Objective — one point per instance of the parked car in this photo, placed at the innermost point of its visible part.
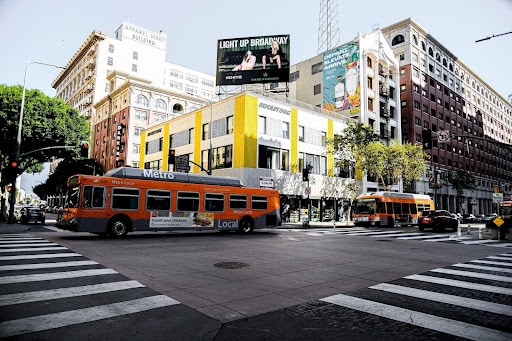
(437, 220)
(468, 218)
(480, 218)
(489, 217)
(31, 214)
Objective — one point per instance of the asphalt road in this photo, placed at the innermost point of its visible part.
(289, 283)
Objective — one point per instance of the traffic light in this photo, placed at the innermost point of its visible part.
(12, 171)
(426, 137)
(172, 156)
(84, 149)
(305, 174)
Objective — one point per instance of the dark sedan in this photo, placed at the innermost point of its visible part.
(31, 214)
(437, 220)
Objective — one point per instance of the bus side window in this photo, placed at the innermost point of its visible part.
(237, 201)
(213, 202)
(87, 196)
(125, 198)
(381, 207)
(158, 200)
(259, 202)
(188, 201)
(98, 197)
(389, 206)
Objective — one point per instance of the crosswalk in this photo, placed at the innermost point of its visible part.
(463, 238)
(471, 300)
(68, 288)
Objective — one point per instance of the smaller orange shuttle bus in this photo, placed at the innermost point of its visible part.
(390, 208)
(131, 199)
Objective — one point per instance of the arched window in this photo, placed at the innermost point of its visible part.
(445, 63)
(177, 108)
(142, 101)
(369, 62)
(397, 40)
(450, 67)
(430, 52)
(438, 57)
(414, 40)
(423, 46)
(161, 105)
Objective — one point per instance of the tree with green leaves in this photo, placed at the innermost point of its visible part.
(57, 181)
(394, 162)
(461, 180)
(47, 122)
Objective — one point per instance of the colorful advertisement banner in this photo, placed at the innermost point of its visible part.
(341, 83)
(264, 59)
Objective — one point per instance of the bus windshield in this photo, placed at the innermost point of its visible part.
(72, 197)
(366, 206)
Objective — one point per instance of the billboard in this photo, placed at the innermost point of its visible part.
(341, 83)
(264, 59)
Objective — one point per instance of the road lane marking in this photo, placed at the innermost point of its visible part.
(461, 301)
(480, 267)
(41, 256)
(35, 246)
(54, 294)
(73, 317)
(436, 323)
(54, 248)
(461, 284)
(473, 275)
(46, 265)
(55, 275)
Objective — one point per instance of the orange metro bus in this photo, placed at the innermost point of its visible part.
(390, 208)
(132, 199)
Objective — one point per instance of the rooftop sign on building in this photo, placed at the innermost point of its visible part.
(141, 35)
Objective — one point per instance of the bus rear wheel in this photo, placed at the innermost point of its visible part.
(246, 226)
(118, 228)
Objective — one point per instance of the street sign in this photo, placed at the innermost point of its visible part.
(443, 136)
(497, 198)
(266, 182)
(181, 164)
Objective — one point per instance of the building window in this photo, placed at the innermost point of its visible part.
(137, 131)
(397, 40)
(317, 89)
(111, 48)
(136, 148)
(230, 124)
(134, 67)
(262, 124)
(286, 130)
(142, 101)
(161, 105)
(294, 76)
(206, 129)
(301, 133)
(110, 61)
(135, 55)
(141, 115)
(316, 68)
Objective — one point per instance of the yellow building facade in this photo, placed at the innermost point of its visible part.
(264, 140)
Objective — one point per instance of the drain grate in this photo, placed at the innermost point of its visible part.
(231, 265)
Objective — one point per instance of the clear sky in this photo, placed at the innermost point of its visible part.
(51, 31)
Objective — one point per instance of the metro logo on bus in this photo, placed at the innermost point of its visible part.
(149, 173)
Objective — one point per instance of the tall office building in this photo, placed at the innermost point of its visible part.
(428, 88)
(136, 55)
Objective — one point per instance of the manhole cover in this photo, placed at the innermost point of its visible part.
(231, 265)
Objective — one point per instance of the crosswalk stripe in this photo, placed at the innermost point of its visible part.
(41, 256)
(19, 238)
(461, 284)
(398, 234)
(54, 294)
(55, 275)
(72, 317)
(445, 325)
(46, 265)
(371, 233)
(424, 236)
(481, 261)
(24, 240)
(473, 274)
(45, 243)
(480, 267)
(480, 241)
(495, 308)
(500, 257)
(29, 249)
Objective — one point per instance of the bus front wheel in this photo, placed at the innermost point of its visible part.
(246, 225)
(118, 228)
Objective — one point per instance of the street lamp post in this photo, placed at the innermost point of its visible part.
(12, 198)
